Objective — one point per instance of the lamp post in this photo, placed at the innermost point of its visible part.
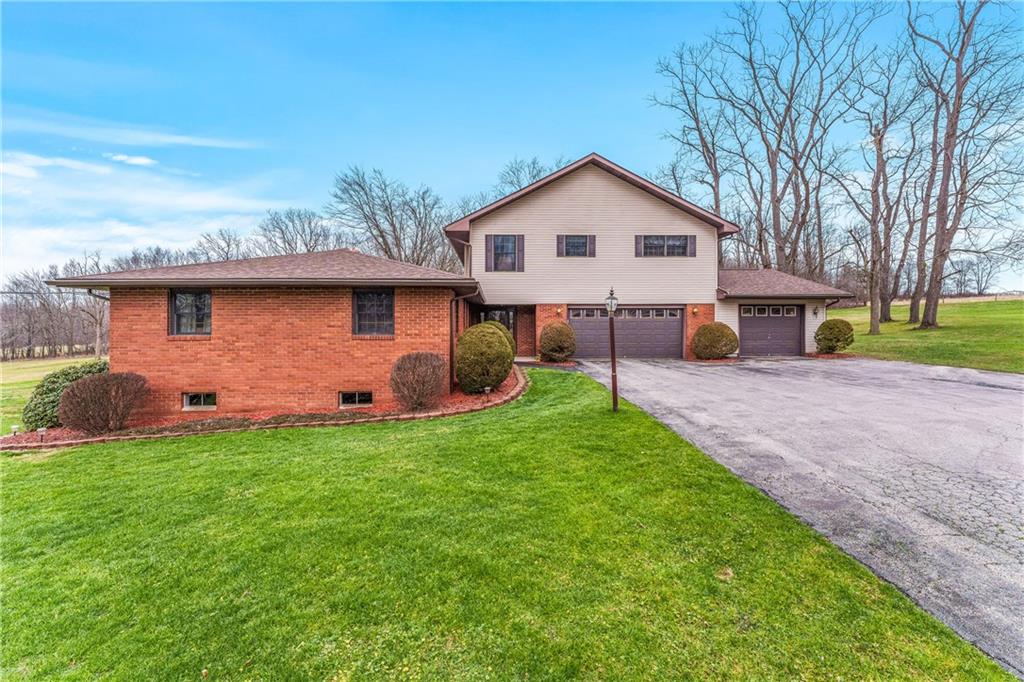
(610, 304)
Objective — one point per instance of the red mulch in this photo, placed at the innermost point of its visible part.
(454, 403)
(717, 360)
(831, 356)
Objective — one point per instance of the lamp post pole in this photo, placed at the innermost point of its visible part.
(611, 303)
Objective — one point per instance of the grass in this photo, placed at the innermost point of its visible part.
(986, 335)
(17, 379)
(549, 538)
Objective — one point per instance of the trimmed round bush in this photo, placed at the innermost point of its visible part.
(504, 330)
(557, 342)
(715, 340)
(417, 380)
(833, 336)
(42, 406)
(101, 403)
(483, 358)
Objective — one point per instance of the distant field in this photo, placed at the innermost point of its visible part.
(987, 335)
(18, 378)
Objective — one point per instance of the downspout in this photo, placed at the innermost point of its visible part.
(452, 315)
(95, 295)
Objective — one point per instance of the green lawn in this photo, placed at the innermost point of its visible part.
(548, 538)
(17, 379)
(987, 335)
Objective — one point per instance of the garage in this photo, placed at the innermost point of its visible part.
(771, 329)
(640, 332)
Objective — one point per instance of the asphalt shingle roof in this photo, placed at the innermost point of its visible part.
(772, 283)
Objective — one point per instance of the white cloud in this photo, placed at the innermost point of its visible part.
(24, 165)
(131, 160)
(109, 132)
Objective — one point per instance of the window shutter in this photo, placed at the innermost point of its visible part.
(591, 245)
(639, 245)
(560, 245)
(489, 253)
(691, 245)
(519, 252)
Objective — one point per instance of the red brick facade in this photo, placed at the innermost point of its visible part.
(526, 331)
(705, 313)
(547, 312)
(284, 349)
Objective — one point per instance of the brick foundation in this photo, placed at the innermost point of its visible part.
(271, 349)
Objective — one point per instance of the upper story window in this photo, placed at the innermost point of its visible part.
(661, 245)
(504, 252)
(576, 245)
(190, 311)
(373, 312)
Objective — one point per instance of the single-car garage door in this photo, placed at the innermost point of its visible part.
(639, 332)
(767, 329)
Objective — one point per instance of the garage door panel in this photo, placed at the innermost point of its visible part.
(770, 330)
(650, 337)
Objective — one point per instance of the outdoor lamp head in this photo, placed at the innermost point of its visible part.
(611, 303)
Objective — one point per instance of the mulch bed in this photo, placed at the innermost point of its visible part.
(456, 403)
(717, 361)
(831, 356)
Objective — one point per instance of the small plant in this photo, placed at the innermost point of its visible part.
(505, 332)
(834, 336)
(101, 403)
(557, 342)
(714, 340)
(417, 380)
(41, 410)
(483, 358)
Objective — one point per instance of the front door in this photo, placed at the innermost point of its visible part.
(506, 315)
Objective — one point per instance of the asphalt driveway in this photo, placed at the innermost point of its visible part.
(917, 471)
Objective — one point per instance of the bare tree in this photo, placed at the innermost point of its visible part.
(981, 272)
(294, 230)
(151, 257)
(519, 173)
(224, 244)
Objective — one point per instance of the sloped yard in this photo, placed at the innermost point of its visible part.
(547, 539)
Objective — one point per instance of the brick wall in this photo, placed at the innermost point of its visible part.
(546, 312)
(526, 332)
(272, 349)
(705, 314)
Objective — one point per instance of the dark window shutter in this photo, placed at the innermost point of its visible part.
(560, 245)
(489, 255)
(639, 245)
(591, 245)
(520, 248)
(691, 245)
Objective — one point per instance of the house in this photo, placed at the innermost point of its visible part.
(553, 250)
(320, 331)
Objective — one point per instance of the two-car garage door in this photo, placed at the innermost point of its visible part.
(641, 332)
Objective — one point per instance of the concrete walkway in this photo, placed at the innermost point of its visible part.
(915, 470)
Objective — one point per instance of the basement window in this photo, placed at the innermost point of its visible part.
(198, 402)
(355, 399)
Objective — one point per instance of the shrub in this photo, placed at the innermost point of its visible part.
(417, 380)
(557, 342)
(101, 403)
(483, 358)
(42, 406)
(505, 332)
(833, 336)
(714, 340)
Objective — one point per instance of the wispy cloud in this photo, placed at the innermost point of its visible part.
(131, 160)
(109, 132)
(25, 165)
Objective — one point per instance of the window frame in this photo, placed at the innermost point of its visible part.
(172, 312)
(746, 311)
(203, 405)
(358, 395)
(576, 239)
(786, 311)
(515, 253)
(772, 309)
(667, 249)
(355, 312)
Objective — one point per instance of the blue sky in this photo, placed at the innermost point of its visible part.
(129, 125)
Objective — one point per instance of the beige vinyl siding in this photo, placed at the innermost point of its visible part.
(592, 201)
(729, 313)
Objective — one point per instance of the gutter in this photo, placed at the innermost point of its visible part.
(452, 315)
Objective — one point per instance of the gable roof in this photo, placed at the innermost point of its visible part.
(772, 284)
(724, 227)
(340, 267)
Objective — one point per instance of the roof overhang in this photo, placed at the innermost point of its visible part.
(461, 285)
(724, 295)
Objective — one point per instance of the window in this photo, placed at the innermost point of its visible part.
(505, 253)
(790, 311)
(198, 402)
(575, 245)
(746, 311)
(761, 310)
(355, 399)
(190, 311)
(776, 311)
(672, 312)
(373, 312)
(656, 245)
(575, 313)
